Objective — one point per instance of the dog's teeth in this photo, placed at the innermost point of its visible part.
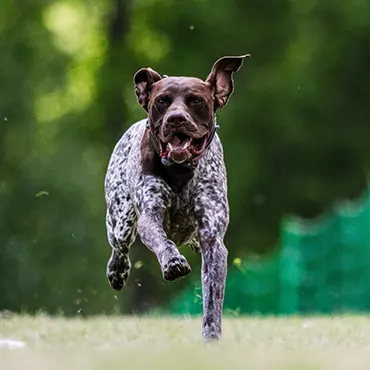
(179, 147)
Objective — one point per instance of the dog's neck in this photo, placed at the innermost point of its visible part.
(176, 176)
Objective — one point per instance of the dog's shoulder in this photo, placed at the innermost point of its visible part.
(132, 134)
(125, 151)
(123, 147)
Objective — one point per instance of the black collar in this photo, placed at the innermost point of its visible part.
(190, 164)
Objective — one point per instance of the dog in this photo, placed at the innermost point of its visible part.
(166, 181)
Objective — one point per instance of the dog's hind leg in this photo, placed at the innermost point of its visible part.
(122, 230)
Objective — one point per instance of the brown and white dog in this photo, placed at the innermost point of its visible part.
(166, 180)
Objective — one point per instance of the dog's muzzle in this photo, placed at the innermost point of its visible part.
(182, 149)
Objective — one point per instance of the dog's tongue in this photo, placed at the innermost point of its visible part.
(176, 141)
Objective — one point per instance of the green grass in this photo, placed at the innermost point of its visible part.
(170, 343)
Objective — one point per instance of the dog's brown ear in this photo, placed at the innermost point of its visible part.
(144, 79)
(220, 80)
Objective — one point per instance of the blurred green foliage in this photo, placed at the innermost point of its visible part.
(295, 132)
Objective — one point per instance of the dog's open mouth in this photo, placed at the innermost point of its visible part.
(181, 147)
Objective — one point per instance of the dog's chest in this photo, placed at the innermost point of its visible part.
(180, 224)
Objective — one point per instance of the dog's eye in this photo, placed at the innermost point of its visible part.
(162, 101)
(196, 101)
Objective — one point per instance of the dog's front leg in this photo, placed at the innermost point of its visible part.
(212, 215)
(214, 270)
(153, 198)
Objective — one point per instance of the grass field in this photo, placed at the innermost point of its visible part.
(170, 343)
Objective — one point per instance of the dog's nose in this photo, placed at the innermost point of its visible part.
(176, 119)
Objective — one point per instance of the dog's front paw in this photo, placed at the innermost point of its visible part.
(118, 271)
(175, 268)
(211, 334)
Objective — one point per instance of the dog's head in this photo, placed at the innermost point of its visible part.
(181, 109)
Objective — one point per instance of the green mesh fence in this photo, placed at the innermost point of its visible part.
(321, 267)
